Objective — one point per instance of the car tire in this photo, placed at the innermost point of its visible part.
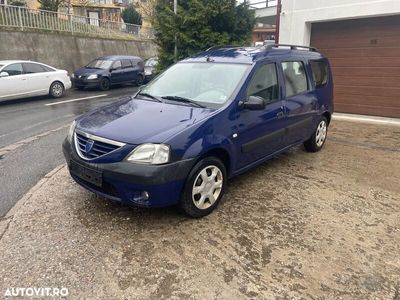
(105, 84)
(204, 187)
(318, 138)
(57, 89)
(139, 80)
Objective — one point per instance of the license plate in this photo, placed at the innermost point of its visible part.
(92, 176)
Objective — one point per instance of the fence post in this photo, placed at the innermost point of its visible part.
(20, 18)
(71, 24)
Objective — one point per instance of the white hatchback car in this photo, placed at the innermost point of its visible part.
(20, 79)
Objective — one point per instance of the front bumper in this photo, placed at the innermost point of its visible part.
(82, 82)
(125, 181)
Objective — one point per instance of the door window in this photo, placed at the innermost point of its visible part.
(320, 72)
(30, 68)
(126, 63)
(264, 84)
(117, 65)
(14, 69)
(295, 77)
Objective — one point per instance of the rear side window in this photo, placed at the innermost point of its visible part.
(126, 63)
(30, 68)
(264, 83)
(295, 77)
(14, 69)
(320, 72)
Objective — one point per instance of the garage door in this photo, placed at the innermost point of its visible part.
(365, 58)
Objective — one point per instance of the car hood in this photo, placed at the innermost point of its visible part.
(136, 121)
(88, 71)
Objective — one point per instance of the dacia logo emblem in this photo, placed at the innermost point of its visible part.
(89, 146)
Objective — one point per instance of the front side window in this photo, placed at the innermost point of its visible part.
(100, 64)
(209, 84)
(320, 72)
(117, 65)
(264, 84)
(14, 69)
(295, 77)
(30, 68)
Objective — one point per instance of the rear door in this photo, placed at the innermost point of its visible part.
(39, 80)
(260, 132)
(128, 70)
(300, 101)
(15, 85)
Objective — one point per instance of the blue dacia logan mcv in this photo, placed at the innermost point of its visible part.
(205, 119)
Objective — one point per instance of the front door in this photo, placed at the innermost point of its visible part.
(117, 73)
(260, 132)
(15, 85)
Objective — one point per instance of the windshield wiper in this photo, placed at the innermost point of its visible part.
(184, 100)
(150, 96)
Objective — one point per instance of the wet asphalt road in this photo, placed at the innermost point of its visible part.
(21, 120)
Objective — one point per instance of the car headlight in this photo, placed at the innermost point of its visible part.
(93, 76)
(71, 131)
(72, 75)
(155, 154)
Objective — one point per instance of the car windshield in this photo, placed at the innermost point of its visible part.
(100, 64)
(1, 66)
(208, 84)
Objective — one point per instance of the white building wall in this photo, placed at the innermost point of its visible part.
(298, 15)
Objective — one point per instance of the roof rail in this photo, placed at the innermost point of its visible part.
(292, 47)
(221, 47)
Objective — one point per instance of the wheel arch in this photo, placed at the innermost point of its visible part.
(221, 154)
(328, 116)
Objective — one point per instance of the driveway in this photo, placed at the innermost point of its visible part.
(301, 226)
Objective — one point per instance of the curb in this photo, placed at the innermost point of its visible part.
(366, 119)
(8, 218)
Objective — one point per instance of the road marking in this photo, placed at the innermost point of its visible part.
(5, 150)
(77, 99)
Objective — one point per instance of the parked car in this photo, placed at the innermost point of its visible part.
(150, 68)
(104, 72)
(20, 79)
(205, 119)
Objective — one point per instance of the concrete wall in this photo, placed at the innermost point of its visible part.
(297, 16)
(66, 51)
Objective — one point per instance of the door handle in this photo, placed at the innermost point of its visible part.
(280, 115)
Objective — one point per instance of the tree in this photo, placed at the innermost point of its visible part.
(130, 15)
(200, 24)
(51, 5)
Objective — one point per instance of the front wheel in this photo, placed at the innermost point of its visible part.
(204, 188)
(317, 140)
(105, 84)
(56, 89)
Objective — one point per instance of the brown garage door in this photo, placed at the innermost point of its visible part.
(365, 58)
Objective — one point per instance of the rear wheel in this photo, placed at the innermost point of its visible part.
(56, 89)
(105, 84)
(139, 80)
(317, 140)
(204, 188)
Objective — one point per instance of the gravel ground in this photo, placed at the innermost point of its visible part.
(301, 226)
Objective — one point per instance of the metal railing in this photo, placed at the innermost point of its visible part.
(26, 18)
(263, 4)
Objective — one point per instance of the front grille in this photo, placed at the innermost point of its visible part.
(90, 147)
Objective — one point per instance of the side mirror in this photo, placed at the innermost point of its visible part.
(4, 74)
(253, 103)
